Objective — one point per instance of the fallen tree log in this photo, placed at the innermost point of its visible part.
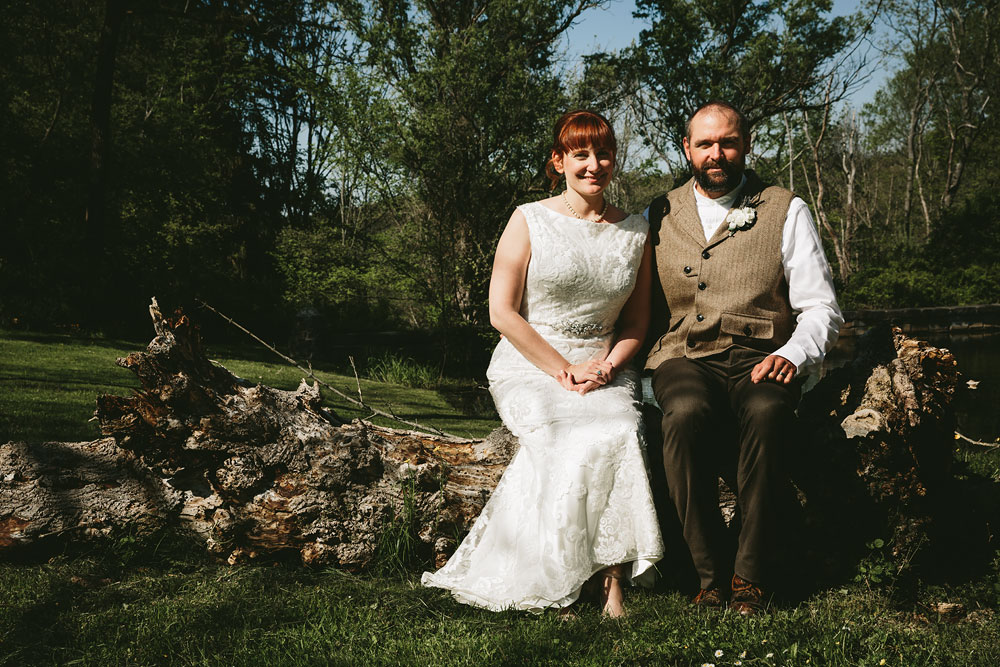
(254, 472)
(251, 471)
(874, 466)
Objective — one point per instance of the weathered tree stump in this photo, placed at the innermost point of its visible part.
(254, 472)
(875, 458)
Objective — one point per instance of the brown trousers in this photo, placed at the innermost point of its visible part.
(703, 401)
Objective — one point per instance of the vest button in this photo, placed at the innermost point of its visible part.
(702, 285)
(700, 317)
(687, 269)
(747, 330)
(705, 254)
(691, 343)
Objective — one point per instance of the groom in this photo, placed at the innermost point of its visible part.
(745, 304)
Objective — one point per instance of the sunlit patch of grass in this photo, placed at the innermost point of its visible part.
(980, 459)
(49, 384)
(393, 368)
(206, 614)
(425, 406)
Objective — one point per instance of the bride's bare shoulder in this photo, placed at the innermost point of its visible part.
(552, 203)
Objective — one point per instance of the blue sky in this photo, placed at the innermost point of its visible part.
(613, 28)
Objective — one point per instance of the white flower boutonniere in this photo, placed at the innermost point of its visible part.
(741, 218)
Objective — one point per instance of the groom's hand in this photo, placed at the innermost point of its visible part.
(774, 368)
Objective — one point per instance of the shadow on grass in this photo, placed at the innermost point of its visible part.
(32, 629)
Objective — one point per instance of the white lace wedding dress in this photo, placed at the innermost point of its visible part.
(576, 496)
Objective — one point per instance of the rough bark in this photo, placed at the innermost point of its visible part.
(251, 471)
(254, 472)
(875, 459)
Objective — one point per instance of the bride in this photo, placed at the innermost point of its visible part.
(570, 294)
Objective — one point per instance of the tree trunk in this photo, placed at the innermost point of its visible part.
(253, 472)
(849, 166)
(248, 470)
(839, 241)
(100, 124)
(971, 43)
(876, 454)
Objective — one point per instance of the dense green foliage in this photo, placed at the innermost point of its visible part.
(186, 209)
(767, 58)
(958, 265)
(350, 164)
(904, 189)
(473, 91)
(267, 158)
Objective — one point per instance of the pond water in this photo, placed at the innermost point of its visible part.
(978, 356)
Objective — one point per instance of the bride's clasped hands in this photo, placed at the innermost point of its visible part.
(587, 376)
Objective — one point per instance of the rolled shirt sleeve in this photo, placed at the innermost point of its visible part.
(810, 291)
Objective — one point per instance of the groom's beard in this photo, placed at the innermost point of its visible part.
(727, 181)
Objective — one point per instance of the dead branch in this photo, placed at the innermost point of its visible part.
(311, 375)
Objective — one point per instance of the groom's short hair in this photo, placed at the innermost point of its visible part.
(725, 107)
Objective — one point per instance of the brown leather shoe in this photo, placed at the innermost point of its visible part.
(708, 599)
(747, 598)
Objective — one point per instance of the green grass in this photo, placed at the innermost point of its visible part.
(979, 460)
(59, 376)
(83, 611)
(396, 369)
(162, 602)
(49, 382)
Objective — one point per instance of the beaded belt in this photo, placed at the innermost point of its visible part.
(575, 329)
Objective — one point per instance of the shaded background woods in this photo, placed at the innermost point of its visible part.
(352, 164)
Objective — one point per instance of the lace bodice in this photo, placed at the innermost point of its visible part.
(581, 273)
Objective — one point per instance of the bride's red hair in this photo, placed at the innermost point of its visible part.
(578, 129)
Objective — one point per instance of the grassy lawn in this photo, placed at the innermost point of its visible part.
(160, 602)
(99, 610)
(48, 383)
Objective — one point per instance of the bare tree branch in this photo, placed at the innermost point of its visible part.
(308, 373)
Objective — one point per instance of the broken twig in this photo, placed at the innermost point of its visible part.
(965, 438)
(356, 378)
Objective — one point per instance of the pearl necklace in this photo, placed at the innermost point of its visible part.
(600, 218)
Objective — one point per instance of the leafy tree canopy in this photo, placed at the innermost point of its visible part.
(766, 57)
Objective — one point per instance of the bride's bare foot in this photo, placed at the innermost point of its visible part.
(612, 596)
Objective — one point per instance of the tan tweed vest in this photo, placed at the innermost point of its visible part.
(730, 290)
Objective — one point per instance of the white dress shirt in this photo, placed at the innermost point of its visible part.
(810, 283)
